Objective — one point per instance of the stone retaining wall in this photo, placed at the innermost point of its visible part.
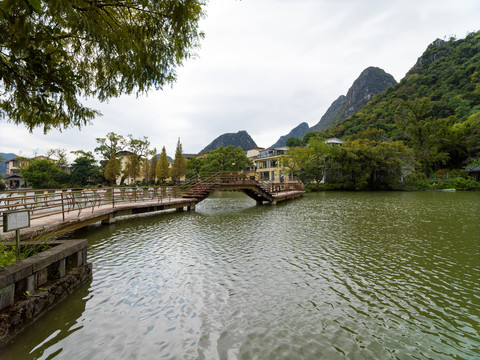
(30, 287)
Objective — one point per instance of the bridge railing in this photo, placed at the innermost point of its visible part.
(43, 203)
(61, 201)
(203, 180)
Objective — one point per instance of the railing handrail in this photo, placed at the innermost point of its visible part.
(44, 202)
(55, 201)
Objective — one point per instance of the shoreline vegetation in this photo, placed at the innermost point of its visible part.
(454, 184)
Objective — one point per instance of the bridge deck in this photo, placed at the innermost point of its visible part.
(54, 225)
(57, 224)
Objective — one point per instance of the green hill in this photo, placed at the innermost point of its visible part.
(240, 139)
(371, 82)
(441, 92)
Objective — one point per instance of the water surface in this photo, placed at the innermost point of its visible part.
(329, 276)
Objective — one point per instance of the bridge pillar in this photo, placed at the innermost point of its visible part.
(110, 220)
(191, 207)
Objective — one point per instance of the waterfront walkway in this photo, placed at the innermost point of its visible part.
(55, 212)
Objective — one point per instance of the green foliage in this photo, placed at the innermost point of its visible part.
(112, 170)
(45, 174)
(459, 183)
(179, 167)
(153, 168)
(226, 158)
(309, 163)
(85, 171)
(8, 253)
(132, 167)
(427, 134)
(162, 170)
(112, 142)
(54, 52)
(194, 167)
(445, 86)
(412, 184)
(146, 171)
(365, 164)
(293, 142)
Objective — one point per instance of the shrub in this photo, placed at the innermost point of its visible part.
(459, 183)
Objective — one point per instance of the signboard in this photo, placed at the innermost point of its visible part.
(14, 220)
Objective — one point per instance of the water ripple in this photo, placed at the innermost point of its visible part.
(334, 276)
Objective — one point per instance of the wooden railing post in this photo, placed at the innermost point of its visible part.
(63, 208)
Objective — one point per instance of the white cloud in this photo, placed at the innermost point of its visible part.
(265, 66)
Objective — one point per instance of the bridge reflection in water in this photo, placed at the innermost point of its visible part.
(54, 212)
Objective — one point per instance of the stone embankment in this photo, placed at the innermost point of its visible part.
(32, 286)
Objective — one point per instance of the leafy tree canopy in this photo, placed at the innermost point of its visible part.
(85, 171)
(225, 159)
(44, 174)
(112, 142)
(54, 52)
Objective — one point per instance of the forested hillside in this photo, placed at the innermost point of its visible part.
(435, 108)
(371, 82)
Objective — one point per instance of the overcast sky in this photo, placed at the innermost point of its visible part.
(265, 66)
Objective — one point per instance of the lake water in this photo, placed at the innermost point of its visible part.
(329, 276)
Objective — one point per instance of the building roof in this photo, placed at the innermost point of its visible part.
(13, 176)
(474, 169)
(334, 140)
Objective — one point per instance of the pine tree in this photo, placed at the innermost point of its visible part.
(134, 167)
(112, 169)
(153, 168)
(179, 167)
(146, 171)
(163, 166)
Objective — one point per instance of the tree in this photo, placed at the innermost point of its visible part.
(153, 168)
(162, 170)
(140, 147)
(310, 162)
(293, 142)
(85, 171)
(179, 167)
(44, 174)
(146, 171)
(112, 142)
(367, 164)
(194, 167)
(58, 155)
(54, 52)
(133, 167)
(225, 159)
(112, 169)
(426, 132)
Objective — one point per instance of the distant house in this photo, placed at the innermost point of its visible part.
(474, 172)
(333, 141)
(14, 166)
(14, 181)
(269, 164)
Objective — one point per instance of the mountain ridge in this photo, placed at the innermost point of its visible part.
(239, 139)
